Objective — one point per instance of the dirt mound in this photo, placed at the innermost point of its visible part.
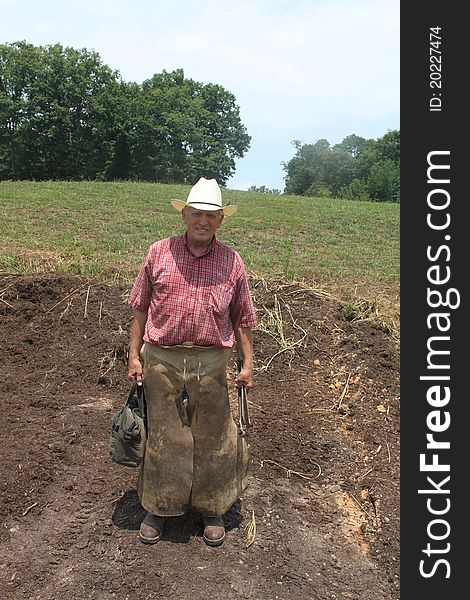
(324, 457)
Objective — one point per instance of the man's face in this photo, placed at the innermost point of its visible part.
(201, 225)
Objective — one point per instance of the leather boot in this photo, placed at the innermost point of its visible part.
(151, 528)
(214, 530)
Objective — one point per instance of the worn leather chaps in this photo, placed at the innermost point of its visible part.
(195, 456)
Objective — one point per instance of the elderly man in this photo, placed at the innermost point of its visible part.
(191, 303)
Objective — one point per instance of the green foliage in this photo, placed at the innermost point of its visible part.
(354, 169)
(306, 170)
(356, 190)
(59, 105)
(351, 312)
(352, 145)
(384, 180)
(119, 165)
(389, 146)
(66, 115)
(188, 130)
(262, 189)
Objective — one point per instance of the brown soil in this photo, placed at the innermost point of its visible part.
(324, 457)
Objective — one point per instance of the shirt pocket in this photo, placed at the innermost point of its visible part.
(218, 298)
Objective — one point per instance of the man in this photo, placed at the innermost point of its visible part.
(191, 303)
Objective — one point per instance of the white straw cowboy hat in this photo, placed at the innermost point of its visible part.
(205, 195)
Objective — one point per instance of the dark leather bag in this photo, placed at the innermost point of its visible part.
(128, 435)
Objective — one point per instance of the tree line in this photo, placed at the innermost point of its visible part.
(66, 115)
(355, 169)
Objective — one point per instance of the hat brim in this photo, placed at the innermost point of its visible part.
(228, 210)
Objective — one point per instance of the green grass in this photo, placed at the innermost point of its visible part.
(104, 229)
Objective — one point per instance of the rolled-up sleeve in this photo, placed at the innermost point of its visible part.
(242, 310)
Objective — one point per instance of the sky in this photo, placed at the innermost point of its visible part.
(299, 69)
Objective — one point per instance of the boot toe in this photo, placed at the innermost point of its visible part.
(151, 529)
(214, 530)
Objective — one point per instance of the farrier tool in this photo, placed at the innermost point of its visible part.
(244, 414)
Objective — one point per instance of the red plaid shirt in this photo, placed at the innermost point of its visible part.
(201, 299)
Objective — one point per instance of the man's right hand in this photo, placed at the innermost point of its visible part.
(137, 333)
(135, 370)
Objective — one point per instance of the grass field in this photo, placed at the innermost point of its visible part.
(104, 229)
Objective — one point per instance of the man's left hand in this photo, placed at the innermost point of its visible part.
(245, 377)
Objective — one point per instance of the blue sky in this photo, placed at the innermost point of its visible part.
(299, 69)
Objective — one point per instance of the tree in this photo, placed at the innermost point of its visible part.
(119, 165)
(352, 145)
(339, 169)
(262, 189)
(356, 190)
(355, 168)
(19, 67)
(306, 170)
(383, 182)
(188, 130)
(388, 146)
(59, 120)
(66, 115)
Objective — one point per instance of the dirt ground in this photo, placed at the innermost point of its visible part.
(322, 508)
